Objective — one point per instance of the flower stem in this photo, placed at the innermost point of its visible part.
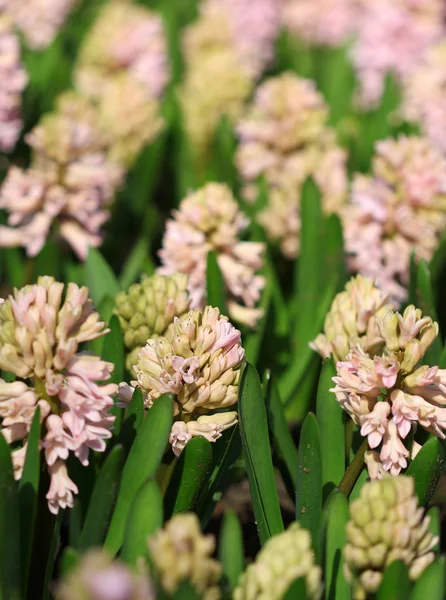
(353, 471)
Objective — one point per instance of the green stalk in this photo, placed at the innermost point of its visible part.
(353, 471)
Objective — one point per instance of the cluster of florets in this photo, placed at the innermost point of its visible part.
(399, 209)
(284, 138)
(209, 220)
(40, 334)
(199, 361)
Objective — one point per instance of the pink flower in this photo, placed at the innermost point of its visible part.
(374, 425)
(62, 488)
(393, 453)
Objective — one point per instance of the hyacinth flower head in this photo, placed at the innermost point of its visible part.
(388, 393)
(39, 20)
(199, 361)
(13, 80)
(125, 38)
(283, 559)
(98, 577)
(41, 329)
(386, 524)
(352, 319)
(180, 552)
(284, 138)
(210, 220)
(321, 22)
(67, 188)
(390, 38)
(424, 94)
(399, 209)
(148, 310)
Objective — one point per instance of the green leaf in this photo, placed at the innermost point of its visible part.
(230, 551)
(432, 583)
(192, 471)
(297, 590)
(257, 454)
(14, 266)
(337, 81)
(69, 560)
(254, 339)
(309, 481)
(49, 570)
(329, 415)
(426, 469)
(425, 301)
(48, 262)
(336, 517)
(100, 278)
(395, 584)
(113, 351)
(145, 517)
(143, 460)
(282, 440)
(186, 591)
(27, 495)
(102, 499)
(133, 266)
(10, 561)
(215, 284)
(133, 419)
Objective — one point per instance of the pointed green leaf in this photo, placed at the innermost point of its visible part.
(113, 351)
(14, 266)
(230, 550)
(192, 471)
(215, 284)
(426, 469)
(309, 480)
(134, 417)
(432, 583)
(143, 460)
(336, 517)
(257, 454)
(297, 590)
(100, 278)
(133, 266)
(10, 561)
(49, 570)
(102, 499)
(145, 517)
(282, 440)
(395, 584)
(28, 490)
(425, 301)
(329, 415)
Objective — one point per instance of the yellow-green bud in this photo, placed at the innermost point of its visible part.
(282, 560)
(386, 524)
(148, 309)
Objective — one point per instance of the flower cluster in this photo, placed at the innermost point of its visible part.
(39, 20)
(40, 334)
(284, 137)
(199, 361)
(69, 184)
(386, 394)
(210, 220)
(13, 80)
(352, 319)
(225, 50)
(386, 524)
(321, 22)
(424, 95)
(98, 577)
(400, 208)
(181, 552)
(148, 309)
(283, 559)
(390, 38)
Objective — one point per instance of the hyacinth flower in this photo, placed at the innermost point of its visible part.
(399, 209)
(387, 394)
(39, 20)
(67, 188)
(352, 319)
(148, 309)
(386, 524)
(13, 80)
(181, 552)
(41, 329)
(424, 95)
(321, 22)
(199, 361)
(283, 559)
(390, 38)
(225, 51)
(210, 220)
(284, 138)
